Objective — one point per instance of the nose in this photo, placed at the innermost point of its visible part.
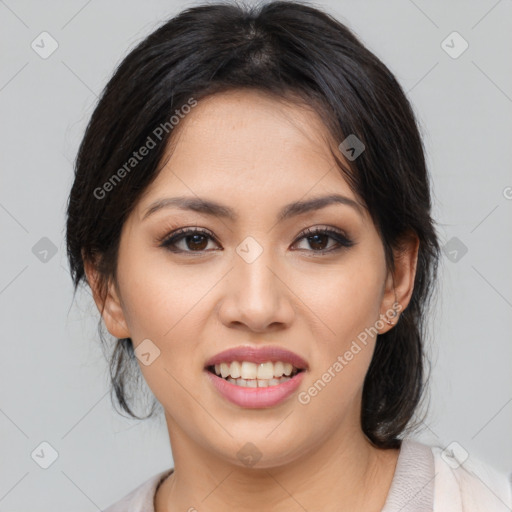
(257, 296)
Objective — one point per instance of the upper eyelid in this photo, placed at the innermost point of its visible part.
(183, 232)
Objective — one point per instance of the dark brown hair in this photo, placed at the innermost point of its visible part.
(287, 49)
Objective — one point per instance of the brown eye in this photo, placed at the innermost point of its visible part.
(318, 240)
(196, 242)
(192, 240)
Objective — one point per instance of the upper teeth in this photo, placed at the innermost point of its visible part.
(247, 370)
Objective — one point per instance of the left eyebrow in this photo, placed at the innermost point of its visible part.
(215, 209)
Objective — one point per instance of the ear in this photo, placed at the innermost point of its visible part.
(400, 282)
(107, 302)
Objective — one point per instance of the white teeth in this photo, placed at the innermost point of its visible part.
(257, 383)
(235, 370)
(248, 371)
(224, 370)
(278, 368)
(265, 371)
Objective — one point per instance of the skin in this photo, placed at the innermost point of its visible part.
(255, 154)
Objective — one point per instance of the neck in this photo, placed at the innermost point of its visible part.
(343, 473)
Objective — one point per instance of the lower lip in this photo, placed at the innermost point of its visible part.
(255, 398)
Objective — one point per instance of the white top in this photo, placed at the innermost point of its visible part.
(426, 479)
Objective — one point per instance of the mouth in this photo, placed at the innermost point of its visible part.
(247, 374)
(256, 377)
(255, 393)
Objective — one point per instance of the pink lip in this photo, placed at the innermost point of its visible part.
(258, 355)
(255, 398)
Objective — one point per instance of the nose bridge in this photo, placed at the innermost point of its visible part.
(256, 293)
(253, 264)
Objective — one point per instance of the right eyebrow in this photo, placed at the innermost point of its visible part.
(213, 208)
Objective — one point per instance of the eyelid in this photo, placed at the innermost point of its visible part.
(342, 239)
(322, 229)
(184, 230)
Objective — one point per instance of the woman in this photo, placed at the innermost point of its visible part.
(251, 210)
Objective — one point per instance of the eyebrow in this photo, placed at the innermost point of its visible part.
(215, 209)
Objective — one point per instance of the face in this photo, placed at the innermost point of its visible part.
(310, 281)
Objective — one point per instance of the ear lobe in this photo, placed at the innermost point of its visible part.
(107, 301)
(400, 283)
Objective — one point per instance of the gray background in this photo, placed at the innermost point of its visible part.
(54, 378)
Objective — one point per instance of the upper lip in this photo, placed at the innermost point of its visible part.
(258, 355)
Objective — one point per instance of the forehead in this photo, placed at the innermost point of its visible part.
(242, 123)
(247, 143)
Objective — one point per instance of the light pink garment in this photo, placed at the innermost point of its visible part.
(473, 486)
(425, 480)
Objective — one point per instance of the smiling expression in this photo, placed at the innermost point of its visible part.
(250, 236)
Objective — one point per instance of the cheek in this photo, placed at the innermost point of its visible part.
(167, 304)
(343, 308)
(163, 306)
(158, 299)
(343, 299)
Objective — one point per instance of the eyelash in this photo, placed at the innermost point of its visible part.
(168, 241)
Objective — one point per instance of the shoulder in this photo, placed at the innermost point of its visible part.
(464, 482)
(141, 499)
